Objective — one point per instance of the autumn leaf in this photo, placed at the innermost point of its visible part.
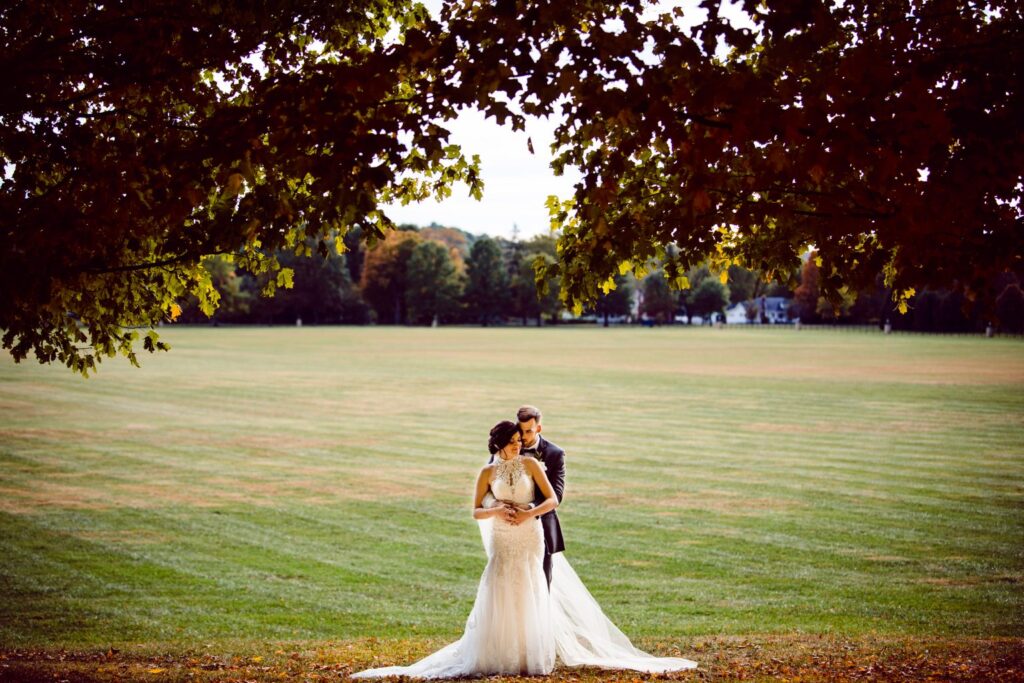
(285, 278)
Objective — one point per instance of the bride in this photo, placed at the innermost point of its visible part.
(518, 625)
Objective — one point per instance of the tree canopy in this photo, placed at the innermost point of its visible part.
(385, 276)
(433, 284)
(883, 133)
(139, 138)
(487, 281)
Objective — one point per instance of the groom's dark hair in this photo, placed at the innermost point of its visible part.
(527, 413)
(501, 434)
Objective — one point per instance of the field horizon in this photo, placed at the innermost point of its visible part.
(273, 485)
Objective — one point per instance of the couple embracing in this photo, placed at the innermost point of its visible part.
(530, 605)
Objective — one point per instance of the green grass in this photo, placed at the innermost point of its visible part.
(311, 484)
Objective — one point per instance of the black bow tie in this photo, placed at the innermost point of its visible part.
(530, 450)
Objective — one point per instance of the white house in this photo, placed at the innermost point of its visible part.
(737, 314)
(770, 309)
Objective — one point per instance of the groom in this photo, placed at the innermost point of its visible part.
(552, 458)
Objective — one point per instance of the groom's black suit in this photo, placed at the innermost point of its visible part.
(553, 459)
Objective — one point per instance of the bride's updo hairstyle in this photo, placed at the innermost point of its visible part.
(501, 434)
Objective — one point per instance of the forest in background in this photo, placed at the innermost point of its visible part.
(443, 275)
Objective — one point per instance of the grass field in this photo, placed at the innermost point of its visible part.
(312, 485)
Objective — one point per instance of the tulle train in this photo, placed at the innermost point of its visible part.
(584, 636)
(509, 632)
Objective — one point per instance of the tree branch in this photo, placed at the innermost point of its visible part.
(136, 266)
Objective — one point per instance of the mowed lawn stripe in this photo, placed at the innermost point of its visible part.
(315, 482)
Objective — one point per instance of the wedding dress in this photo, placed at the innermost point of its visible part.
(517, 626)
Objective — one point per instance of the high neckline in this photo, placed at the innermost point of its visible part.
(509, 470)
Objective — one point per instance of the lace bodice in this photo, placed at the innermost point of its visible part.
(511, 482)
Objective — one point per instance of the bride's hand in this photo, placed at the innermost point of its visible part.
(519, 515)
(509, 512)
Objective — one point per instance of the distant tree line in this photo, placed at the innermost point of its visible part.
(930, 310)
(440, 275)
(413, 276)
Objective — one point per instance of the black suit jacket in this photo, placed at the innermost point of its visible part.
(553, 459)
